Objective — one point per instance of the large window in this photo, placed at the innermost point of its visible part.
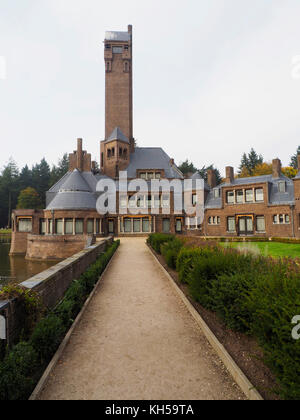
(230, 197)
(166, 225)
(59, 226)
(249, 196)
(90, 226)
(69, 227)
(231, 224)
(260, 224)
(165, 200)
(43, 226)
(240, 196)
(146, 225)
(259, 194)
(136, 225)
(25, 225)
(79, 226)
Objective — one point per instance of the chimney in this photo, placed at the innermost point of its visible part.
(211, 178)
(229, 175)
(172, 162)
(276, 168)
(298, 159)
(79, 154)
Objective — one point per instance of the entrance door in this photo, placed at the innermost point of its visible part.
(246, 225)
(111, 227)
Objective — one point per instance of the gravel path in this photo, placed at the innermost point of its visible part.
(137, 341)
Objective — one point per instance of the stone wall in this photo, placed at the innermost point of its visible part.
(54, 247)
(51, 284)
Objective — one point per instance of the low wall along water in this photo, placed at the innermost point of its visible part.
(51, 285)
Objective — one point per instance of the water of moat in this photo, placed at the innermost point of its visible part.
(16, 269)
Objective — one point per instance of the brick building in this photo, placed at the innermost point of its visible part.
(261, 206)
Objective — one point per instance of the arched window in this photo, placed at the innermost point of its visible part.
(120, 151)
(113, 151)
(125, 153)
(108, 153)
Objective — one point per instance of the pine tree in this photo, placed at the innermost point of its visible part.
(294, 159)
(187, 167)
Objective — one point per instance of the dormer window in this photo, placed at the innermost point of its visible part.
(216, 193)
(281, 187)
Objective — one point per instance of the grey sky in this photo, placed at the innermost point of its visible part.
(211, 78)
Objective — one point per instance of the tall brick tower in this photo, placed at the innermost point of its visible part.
(119, 141)
(118, 82)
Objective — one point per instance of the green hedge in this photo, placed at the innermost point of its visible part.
(24, 364)
(155, 240)
(251, 294)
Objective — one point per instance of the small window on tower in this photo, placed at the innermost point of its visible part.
(107, 46)
(117, 50)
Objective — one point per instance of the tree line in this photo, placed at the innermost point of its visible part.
(252, 164)
(26, 188)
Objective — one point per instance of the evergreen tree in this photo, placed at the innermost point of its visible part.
(249, 163)
(187, 167)
(294, 159)
(60, 170)
(8, 192)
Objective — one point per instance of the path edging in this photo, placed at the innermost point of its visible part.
(240, 378)
(52, 364)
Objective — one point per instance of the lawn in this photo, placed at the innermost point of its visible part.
(273, 249)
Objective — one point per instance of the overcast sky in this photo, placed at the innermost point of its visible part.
(211, 78)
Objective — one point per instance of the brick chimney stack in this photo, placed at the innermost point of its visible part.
(229, 175)
(79, 154)
(211, 178)
(276, 168)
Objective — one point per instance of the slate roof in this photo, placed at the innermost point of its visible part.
(117, 135)
(74, 193)
(275, 197)
(152, 158)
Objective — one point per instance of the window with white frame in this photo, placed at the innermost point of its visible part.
(260, 224)
(230, 197)
(25, 225)
(214, 220)
(217, 193)
(249, 196)
(231, 224)
(69, 227)
(239, 196)
(281, 186)
(281, 219)
(166, 200)
(259, 194)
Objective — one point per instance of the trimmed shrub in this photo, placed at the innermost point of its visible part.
(155, 240)
(17, 373)
(47, 336)
(170, 251)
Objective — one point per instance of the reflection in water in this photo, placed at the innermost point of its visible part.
(17, 268)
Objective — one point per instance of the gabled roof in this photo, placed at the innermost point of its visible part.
(145, 158)
(117, 135)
